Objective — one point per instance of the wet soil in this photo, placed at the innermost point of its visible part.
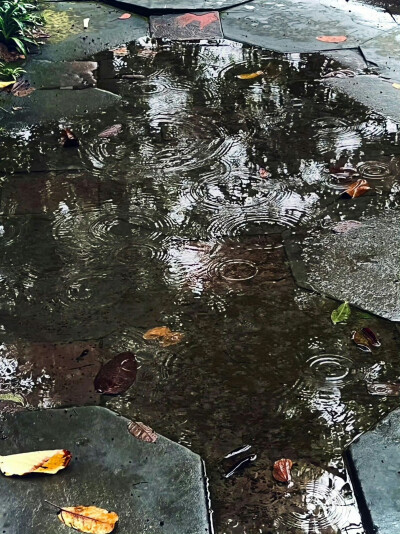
(172, 223)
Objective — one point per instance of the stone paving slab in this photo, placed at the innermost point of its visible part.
(154, 487)
(66, 74)
(374, 461)
(293, 25)
(157, 6)
(189, 26)
(384, 51)
(361, 266)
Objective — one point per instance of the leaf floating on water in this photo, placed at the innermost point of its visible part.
(332, 38)
(282, 470)
(48, 462)
(68, 138)
(385, 390)
(143, 432)
(164, 335)
(343, 73)
(371, 336)
(112, 131)
(13, 397)
(88, 519)
(361, 341)
(125, 16)
(251, 75)
(357, 189)
(117, 375)
(341, 314)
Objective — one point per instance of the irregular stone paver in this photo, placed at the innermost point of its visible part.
(154, 487)
(373, 92)
(361, 266)
(53, 75)
(69, 40)
(188, 26)
(179, 5)
(293, 26)
(384, 51)
(374, 461)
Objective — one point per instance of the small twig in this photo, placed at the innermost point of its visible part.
(51, 504)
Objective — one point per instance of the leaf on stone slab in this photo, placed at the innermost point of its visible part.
(117, 375)
(341, 314)
(142, 432)
(343, 227)
(111, 131)
(356, 189)
(332, 38)
(251, 75)
(156, 333)
(68, 138)
(282, 470)
(88, 519)
(125, 16)
(48, 462)
(22, 88)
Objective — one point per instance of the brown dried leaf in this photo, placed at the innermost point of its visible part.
(157, 332)
(282, 470)
(332, 38)
(21, 89)
(164, 335)
(117, 375)
(143, 432)
(68, 138)
(48, 462)
(122, 51)
(89, 519)
(357, 189)
(173, 338)
(251, 75)
(264, 173)
(371, 336)
(361, 341)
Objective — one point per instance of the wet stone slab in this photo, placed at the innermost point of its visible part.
(293, 26)
(384, 51)
(63, 75)
(178, 5)
(360, 266)
(154, 487)
(374, 461)
(189, 26)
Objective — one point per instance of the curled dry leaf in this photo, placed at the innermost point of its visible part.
(332, 38)
(125, 16)
(251, 75)
(89, 519)
(143, 432)
(21, 89)
(117, 375)
(164, 335)
(68, 138)
(48, 462)
(356, 189)
(111, 131)
(282, 470)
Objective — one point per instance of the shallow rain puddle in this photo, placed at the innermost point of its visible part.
(178, 221)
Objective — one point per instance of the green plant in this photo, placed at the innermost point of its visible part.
(17, 20)
(10, 73)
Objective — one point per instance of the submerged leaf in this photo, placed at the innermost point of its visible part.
(111, 131)
(332, 38)
(12, 397)
(143, 432)
(361, 341)
(251, 75)
(48, 462)
(282, 470)
(357, 189)
(371, 336)
(89, 519)
(68, 138)
(341, 314)
(117, 375)
(157, 332)
(164, 335)
(125, 16)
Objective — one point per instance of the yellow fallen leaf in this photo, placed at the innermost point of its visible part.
(89, 519)
(251, 75)
(164, 335)
(172, 338)
(3, 85)
(157, 332)
(49, 462)
(396, 85)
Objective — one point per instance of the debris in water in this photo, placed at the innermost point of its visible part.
(117, 375)
(343, 73)
(241, 465)
(237, 451)
(251, 75)
(68, 138)
(332, 38)
(282, 470)
(357, 189)
(111, 131)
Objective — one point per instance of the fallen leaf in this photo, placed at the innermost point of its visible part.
(164, 335)
(251, 75)
(125, 16)
(343, 73)
(264, 173)
(88, 519)
(117, 375)
(86, 23)
(386, 390)
(203, 20)
(282, 470)
(122, 51)
(49, 462)
(332, 38)
(357, 189)
(396, 85)
(3, 85)
(371, 336)
(341, 314)
(13, 397)
(68, 138)
(361, 341)
(22, 88)
(111, 131)
(143, 432)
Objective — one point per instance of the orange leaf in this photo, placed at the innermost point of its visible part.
(164, 335)
(172, 338)
(203, 20)
(49, 462)
(282, 470)
(89, 519)
(157, 332)
(125, 16)
(332, 38)
(251, 75)
(357, 189)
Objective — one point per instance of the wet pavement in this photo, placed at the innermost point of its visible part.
(182, 220)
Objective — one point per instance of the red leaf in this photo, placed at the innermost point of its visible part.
(203, 20)
(332, 38)
(357, 189)
(125, 16)
(117, 375)
(143, 432)
(68, 138)
(282, 470)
